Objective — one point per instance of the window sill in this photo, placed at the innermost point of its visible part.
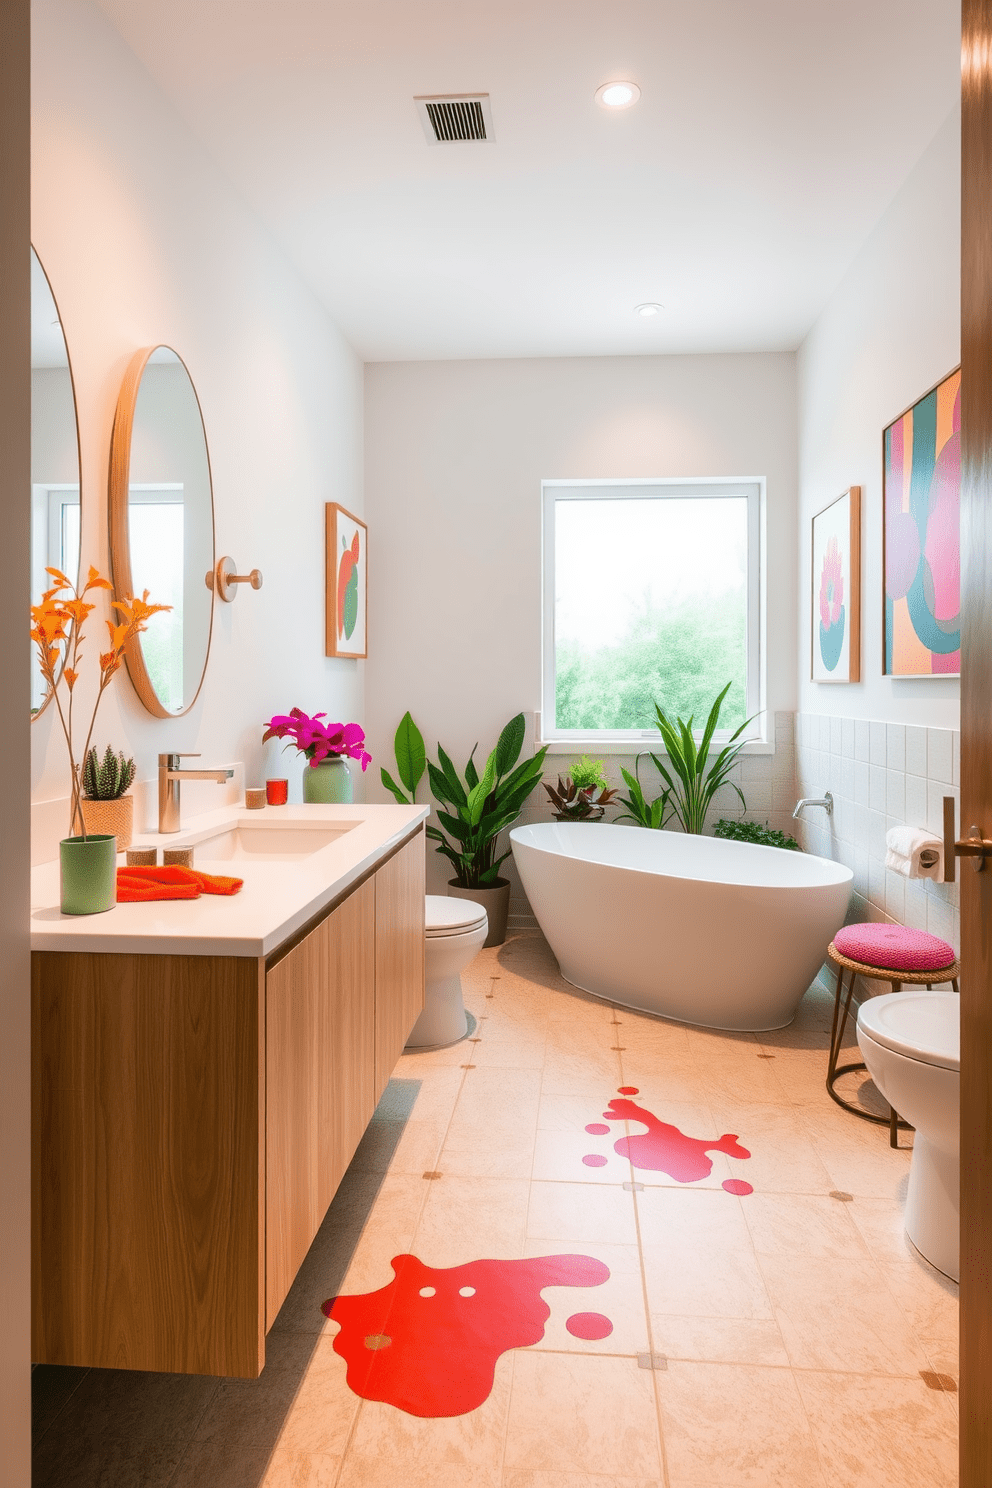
(597, 747)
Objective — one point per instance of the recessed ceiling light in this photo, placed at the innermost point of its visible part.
(649, 308)
(618, 95)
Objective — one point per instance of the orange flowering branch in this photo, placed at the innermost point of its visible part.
(57, 631)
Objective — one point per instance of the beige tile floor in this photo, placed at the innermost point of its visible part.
(793, 1327)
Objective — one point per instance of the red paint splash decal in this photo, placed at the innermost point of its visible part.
(428, 1342)
(591, 1325)
(665, 1149)
(737, 1186)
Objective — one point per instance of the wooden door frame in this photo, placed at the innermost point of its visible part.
(976, 741)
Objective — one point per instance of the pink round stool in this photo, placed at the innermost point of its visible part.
(886, 953)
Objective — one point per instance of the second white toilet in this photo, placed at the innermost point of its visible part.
(455, 932)
(911, 1042)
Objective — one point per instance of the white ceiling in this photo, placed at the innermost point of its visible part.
(769, 139)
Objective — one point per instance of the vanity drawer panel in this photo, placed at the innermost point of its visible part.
(320, 1042)
(399, 954)
(148, 1108)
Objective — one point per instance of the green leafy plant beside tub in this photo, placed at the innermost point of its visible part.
(411, 761)
(691, 780)
(482, 806)
(641, 811)
(109, 778)
(746, 831)
(575, 798)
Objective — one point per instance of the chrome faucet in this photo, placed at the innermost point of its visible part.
(169, 776)
(827, 802)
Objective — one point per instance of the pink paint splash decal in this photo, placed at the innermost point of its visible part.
(594, 1160)
(428, 1342)
(591, 1325)
(597, 1129)
(665, 1149)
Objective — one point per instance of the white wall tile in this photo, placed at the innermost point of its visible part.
(940, 756)
(862, 739)
(876, 882)
(916, 904)
(895, 794)
(895, 896)
(916, 801)
(916, 750)
(836, 736)
(876, 834)
(895, 746)
(861, 769)
(956, 757)
(940, 920)
(861, 819)
(876, 787)
(848, 733)
(877, 746)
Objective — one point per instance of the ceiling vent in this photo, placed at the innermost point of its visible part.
(451, 118)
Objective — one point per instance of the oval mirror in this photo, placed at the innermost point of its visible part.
(162, 526)
(55, 509)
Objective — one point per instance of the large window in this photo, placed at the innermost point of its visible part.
(651, 594)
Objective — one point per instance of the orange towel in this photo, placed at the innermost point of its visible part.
(172, 882)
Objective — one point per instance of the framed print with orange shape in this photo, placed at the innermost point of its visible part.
(921, 496)
(346, 582)
(836, 629)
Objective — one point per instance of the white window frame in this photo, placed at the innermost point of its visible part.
(628, 741)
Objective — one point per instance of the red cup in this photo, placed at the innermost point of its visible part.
(277, 792)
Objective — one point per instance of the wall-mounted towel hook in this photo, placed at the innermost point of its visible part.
(225, 576)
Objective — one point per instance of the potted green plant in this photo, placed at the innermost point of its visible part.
(749, 831)
(641, 811)
(473, 811)
(583, 794)
(691, 780)
(105, 803)
(87, 860)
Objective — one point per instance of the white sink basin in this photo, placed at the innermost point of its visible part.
(281, 844)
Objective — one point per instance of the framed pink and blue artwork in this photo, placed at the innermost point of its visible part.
(921, 547)
(836, 620)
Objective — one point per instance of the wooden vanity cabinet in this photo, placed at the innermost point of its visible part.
(193, 1117)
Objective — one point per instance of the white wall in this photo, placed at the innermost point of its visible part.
(455, 453)
(891, 331)
(887, 749)
(144, 242)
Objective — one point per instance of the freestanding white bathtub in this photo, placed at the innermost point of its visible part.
(724, 934)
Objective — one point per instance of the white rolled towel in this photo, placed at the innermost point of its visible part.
(914, 852)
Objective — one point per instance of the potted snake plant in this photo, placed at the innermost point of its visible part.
(475, 808)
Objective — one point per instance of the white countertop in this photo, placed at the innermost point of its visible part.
(277, 899)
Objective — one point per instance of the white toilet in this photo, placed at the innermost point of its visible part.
(911, 1042)
(456, 930)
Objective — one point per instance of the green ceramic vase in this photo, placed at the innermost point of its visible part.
(328, 784)
(89, 873)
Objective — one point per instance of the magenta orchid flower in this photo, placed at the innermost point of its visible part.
(319, 740)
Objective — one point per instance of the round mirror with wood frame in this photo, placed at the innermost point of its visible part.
(162, 526)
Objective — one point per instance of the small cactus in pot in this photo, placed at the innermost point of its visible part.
(105, 804)
(583, 794)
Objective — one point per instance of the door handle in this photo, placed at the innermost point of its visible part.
(976, 847)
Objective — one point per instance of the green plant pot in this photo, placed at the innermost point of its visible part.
(89, 874)
(328, 784)
(496, 903)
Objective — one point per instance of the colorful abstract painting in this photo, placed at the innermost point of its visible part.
(836, 617)
(346, 539)
(921, 494)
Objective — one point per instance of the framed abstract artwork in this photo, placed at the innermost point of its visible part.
(346, 583)
(836, 628)
(921, 544)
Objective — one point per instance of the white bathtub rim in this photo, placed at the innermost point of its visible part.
(535, 837)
